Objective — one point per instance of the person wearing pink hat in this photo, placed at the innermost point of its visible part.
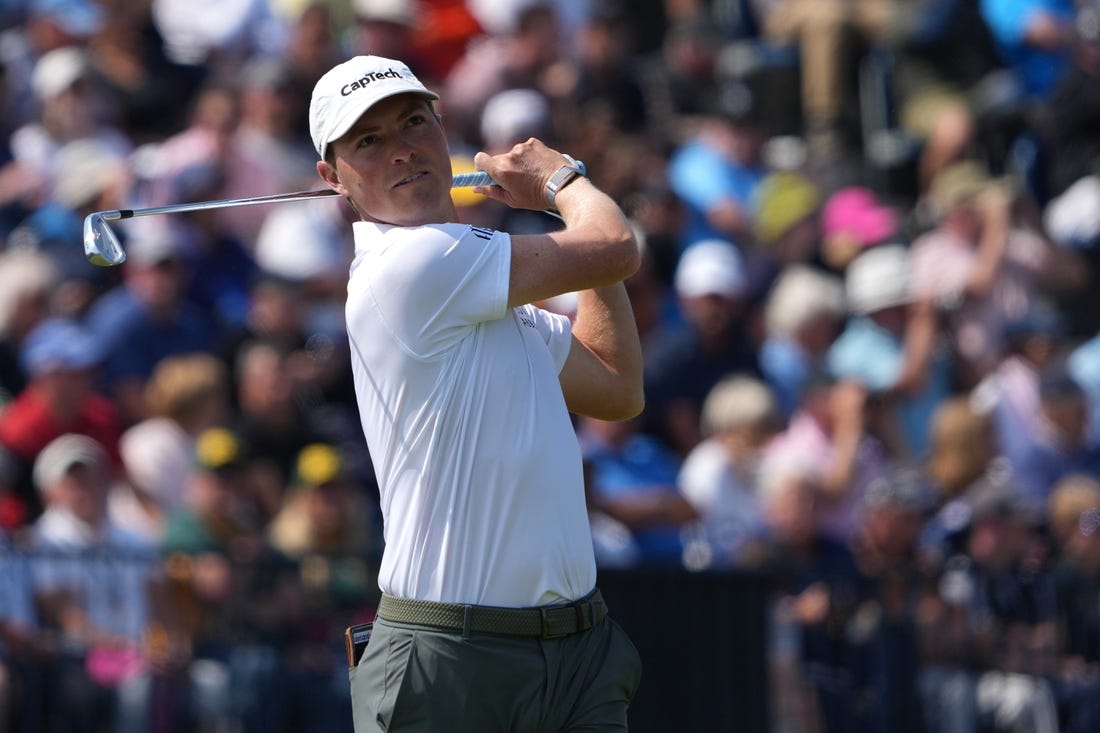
(853, 219)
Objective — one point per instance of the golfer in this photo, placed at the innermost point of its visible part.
(490, 619)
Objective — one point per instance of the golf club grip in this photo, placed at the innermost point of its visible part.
(481, 178)
(473, 178)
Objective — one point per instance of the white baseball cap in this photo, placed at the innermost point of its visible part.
(347, 90)
(878, 279)
(711, 267)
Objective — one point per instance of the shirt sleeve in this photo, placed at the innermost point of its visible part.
(555, 329)
(431, 284)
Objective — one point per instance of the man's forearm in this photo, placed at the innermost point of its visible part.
(608, 382)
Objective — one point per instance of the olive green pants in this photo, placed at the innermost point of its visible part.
(419, 679)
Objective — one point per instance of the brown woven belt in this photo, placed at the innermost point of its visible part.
(547, 622)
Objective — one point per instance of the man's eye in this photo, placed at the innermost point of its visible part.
(367, 140)
(416, 120)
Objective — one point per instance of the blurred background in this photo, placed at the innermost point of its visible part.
(864, 494)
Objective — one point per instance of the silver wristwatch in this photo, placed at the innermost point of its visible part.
(564, 175)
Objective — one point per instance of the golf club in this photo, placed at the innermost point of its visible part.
(102, 247)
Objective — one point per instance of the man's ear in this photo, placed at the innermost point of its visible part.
(328, 174)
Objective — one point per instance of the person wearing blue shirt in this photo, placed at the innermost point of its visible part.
(717, 172)
(1033, 37)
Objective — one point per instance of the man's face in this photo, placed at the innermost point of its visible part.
(394, 164)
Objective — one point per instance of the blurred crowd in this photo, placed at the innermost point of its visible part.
(867, 303)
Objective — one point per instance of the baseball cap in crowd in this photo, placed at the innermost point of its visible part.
(319, 464)
(398, 12)
(58, 70)
(59, 343)
(218, 449)
(858, 213)
(958, 184)
(62, 454)
(78, 18)
(85, 169)
(302, 243)
(346, 91)
(784, 199)
(512, 116)
(878, 279)
(1073, 216)
(150, 242)
(710, 267)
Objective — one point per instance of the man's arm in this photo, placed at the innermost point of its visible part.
(592, 255)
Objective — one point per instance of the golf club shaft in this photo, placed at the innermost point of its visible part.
(461, 180)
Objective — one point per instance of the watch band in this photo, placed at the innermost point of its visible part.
(561, 178)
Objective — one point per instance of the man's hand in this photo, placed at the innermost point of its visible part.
(520, 174)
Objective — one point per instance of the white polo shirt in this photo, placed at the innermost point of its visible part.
(477, 461)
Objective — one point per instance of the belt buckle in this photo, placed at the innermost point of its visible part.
(544, 613)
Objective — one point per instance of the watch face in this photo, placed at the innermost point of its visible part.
(564, 175)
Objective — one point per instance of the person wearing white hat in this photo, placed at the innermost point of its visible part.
(712, 286)
(101, 609)
(465, 392)
(892, 344)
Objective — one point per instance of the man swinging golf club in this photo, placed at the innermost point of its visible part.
(490, 619)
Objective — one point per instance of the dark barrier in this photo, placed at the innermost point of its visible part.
(702, 637)
(276, 636)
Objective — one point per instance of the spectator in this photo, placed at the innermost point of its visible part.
(268, 153)
(717, 171)
(329, 528)
(711, 287)
(386, 28)
(146, 92)
(272, 417)
(1074, 513)
(17, 631)
(831, 429)
(148, 317)
(1063, 445)
(186, 395)
(718, 477)
(803, 316)
(90, 176)
(890, 345)
(786, 221)
(61, 359)
(194, 34)
(30, 279)
(92, 585)
(1072, 152)
(823, 31)
(885, 545)
(66, 89)
(818, 588)
(984, 632)
(964, 452)
(982, 264)
(633, 480)
(1034, 344)
(680, 81)
(236, 596)
(852, 220)
(517, 58)
(1033, 38)
(47, 25)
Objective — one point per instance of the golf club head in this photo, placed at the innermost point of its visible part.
(101, 246)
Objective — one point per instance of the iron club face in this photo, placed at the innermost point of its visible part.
(101, 245)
